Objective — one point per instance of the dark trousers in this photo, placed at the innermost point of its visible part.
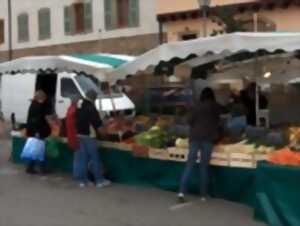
(31, 167)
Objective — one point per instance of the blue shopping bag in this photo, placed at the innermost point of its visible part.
(34, 149)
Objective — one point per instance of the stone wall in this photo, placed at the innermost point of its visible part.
(134, 45)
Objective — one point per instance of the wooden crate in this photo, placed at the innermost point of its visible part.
(178, 154)
(160, 154)
(242, 160)
(220, 159)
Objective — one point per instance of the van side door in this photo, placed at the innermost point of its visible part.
(17, 94)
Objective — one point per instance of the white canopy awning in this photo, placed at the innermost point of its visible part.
(222, 44)
(98, 64)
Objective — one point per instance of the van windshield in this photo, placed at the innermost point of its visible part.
(87, 84)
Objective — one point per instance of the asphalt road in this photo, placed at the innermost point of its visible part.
(56, 201)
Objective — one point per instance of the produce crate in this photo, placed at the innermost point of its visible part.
(236, 159)
(178, 154)
(242, 160)
(220, 159)
(160, 154)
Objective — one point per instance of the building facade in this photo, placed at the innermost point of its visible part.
(78, 26)
(183, 20)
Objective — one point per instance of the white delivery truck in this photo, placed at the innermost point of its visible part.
(17, 91)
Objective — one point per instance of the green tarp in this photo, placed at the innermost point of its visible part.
(271, 190)
(278, 189)
(102, 59)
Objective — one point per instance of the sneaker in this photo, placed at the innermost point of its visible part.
(31, 171)
(180, 198)
(103, 184)
(203, 199)
(82, 185)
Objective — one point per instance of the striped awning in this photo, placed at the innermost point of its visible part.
(97, 64)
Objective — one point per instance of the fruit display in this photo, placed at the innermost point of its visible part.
(285, 156)
(155, 137)
(182, 143)
(244, 147)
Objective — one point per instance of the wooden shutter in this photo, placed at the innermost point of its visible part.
(23, 28)
(110, 14)
(134, 13)
(88, 17)
(123, 10)
(44, 24)
(79, 17)
(1, 31)
(68, 20)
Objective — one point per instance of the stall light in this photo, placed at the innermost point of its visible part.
(267, 74)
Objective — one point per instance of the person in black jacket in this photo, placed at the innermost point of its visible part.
(205, 127)
(37, 125)
(87, 116)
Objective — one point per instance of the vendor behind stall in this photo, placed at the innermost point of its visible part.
(248, 97)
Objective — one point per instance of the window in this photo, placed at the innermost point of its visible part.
(78, 18)
(44, 24)
(1, 31)
(23, 27)
(121, 14)
(68, 88)
(263, 25)
(186, 37)
(86, 84)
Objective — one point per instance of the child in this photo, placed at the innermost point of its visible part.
(55, 125)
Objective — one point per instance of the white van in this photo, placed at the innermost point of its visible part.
(17, 91)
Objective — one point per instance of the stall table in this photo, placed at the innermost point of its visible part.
(271, 190)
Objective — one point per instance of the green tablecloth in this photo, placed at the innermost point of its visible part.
(271, 190)
(233, 184)
(278, 189)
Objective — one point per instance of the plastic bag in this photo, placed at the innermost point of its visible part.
(34, 149)
(52, 147)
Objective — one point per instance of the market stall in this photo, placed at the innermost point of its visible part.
(155, 152)
(98, 65)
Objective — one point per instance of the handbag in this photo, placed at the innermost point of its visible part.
(34, 149)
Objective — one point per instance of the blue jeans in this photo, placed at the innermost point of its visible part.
(87, 153)
(205, 148)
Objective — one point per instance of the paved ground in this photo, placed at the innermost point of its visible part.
(56, 201)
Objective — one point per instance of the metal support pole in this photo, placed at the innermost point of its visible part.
(204, 15)
(9, 9)
(161, 33)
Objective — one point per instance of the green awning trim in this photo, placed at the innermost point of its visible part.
(98, 58)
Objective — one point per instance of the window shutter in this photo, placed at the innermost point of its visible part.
(68, 20)
(23, 28)
(108, 8)
(88, 17)
(134, 13)
(122, 12)
(79, 17)
(1, 31)
(44, 24)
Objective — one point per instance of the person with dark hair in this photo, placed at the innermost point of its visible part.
(249, 101)
(87, 151)
(204, 124)
(37, 125)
